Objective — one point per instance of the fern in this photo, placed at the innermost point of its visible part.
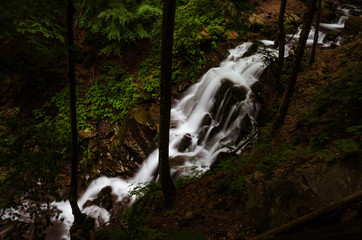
(124, 23)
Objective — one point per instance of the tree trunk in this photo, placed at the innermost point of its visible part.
(307, 22)
(315, 42)
(281, 43)
(73, 114)
(168, 19)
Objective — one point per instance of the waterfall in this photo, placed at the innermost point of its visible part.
(209, 115)
(213, 115)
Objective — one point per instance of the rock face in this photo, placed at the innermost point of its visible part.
(119, 150)
(279, 200)
(137, 138)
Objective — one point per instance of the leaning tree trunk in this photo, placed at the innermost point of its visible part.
(73, 114)
(281, 43)
(82, 226)
(315, 41)
(168, 19)
(307, 22)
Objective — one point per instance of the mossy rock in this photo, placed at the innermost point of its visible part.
(147, 114)
(332, 35)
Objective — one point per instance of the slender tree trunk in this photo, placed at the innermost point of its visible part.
(315, 42)
(73, 114)
(168, 19)
(307, 22)
(281, 43)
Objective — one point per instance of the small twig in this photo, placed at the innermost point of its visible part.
(294, 31)
(80, 15)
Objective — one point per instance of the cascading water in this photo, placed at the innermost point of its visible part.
(214, 115)
(209, 116)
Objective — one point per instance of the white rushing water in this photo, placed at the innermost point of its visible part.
(189, 115)
(207, 120)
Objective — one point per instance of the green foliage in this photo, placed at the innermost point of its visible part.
(113, 98)
(148, 191)
(196, 172)
(356, 129)
(196, 31)
(108, 99)
(150, 76)
(30, 157)
(347, 145)
(121, 22)
(231, 186)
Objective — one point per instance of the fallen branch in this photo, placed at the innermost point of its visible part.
(251, 137)
(310, 217)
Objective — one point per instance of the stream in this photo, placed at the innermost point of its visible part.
(215, 115)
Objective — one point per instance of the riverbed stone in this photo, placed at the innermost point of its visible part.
(185, 143)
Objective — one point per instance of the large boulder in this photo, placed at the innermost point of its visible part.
(279, 200)
(136, 138)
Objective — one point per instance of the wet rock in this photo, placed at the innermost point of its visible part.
(355, 12)
(226, 84)
(226, 98)
(332, 35)
(257, 87)
(253, 49)
(202, 134)
(178, 161)
(246, 126)
(207, 120)
(105, 199)
(135, 139)
(185, 143)
(334, 45)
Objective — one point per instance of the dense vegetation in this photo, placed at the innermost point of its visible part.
(35, 121)
(117, 45)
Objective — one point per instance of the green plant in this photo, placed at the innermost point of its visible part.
(123, 22)
(346, 145)
(147, 190)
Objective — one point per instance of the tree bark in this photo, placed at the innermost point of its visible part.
(315, 41)
(307, 22)
(168, 19)
(281, 43)
(73, 114)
